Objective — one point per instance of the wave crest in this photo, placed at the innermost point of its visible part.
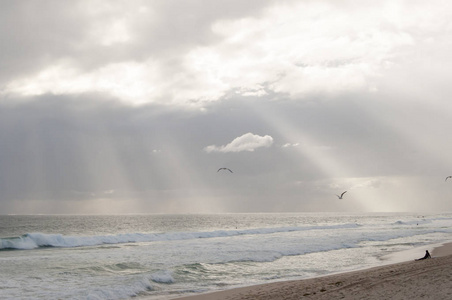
(36, 240)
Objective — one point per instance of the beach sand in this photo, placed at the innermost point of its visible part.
(424, 279)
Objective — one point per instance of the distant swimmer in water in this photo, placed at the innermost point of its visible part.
(427, 255)
(224, 169)
(447, 178)
(340, 197)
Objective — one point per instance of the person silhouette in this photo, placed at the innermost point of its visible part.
(427, 255)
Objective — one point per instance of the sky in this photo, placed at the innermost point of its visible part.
(110, 107)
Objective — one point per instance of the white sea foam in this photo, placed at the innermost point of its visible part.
(35, 240)
(23, 243)
(186, 256)
(162, 277)
(121, 291)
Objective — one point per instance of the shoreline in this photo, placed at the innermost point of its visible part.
(427, 279)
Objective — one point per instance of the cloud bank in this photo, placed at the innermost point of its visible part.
(292, 47)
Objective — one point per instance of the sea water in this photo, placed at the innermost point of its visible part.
(168, 256)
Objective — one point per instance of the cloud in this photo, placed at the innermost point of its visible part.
(287, 145)
(247, 142)
(159, 53)
(354, 96)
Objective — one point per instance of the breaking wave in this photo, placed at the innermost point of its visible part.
(37, 240)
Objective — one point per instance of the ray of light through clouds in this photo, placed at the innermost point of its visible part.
(132, 106)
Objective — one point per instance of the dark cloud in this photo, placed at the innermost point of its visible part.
(33, 35)
(37, 34)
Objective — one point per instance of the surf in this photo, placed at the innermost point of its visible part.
(31, 241)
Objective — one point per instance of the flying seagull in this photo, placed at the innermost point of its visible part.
(340, 197)
(448, 177)
(224, 169)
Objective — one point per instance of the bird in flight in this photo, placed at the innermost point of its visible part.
(224, 169)
(448, 177)
(340, 197)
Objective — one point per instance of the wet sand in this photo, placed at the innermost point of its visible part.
(424, 279)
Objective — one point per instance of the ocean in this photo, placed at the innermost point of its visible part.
(161, 256)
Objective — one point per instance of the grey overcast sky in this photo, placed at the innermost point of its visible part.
(132, 106)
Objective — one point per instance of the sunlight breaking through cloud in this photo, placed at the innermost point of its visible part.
(345, 51)
(110, 107)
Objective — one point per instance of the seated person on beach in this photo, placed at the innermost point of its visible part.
(427, 255)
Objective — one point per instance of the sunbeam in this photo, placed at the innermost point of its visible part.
(367, 192)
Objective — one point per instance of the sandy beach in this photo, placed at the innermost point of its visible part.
(424, 279)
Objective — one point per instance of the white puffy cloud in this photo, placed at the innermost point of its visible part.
(247, 142)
